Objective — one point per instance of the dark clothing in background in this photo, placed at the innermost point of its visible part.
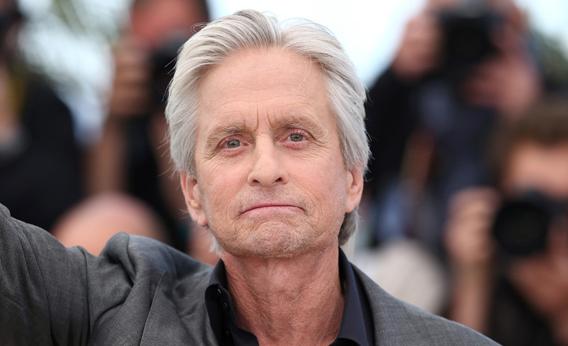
(142, 292)
(41, 174)
(389, 121)
(411, 182)
(143, 177)
(513, 321)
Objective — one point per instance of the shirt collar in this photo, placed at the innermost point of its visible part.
(356, 321)
(356, 325)
(221, 311)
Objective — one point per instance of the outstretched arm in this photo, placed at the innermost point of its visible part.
(43, 287)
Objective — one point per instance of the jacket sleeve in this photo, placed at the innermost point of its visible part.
(43, 287)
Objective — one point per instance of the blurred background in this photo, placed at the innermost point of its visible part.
(465, 210)
(60, 33)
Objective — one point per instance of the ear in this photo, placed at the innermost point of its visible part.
(355, 184)
(192, 197)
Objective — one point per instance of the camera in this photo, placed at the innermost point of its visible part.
(522, 224)
(468, 32)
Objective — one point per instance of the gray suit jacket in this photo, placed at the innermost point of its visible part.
(141, 292)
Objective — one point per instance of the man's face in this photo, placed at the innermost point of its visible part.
(543, 278)
(271, 180)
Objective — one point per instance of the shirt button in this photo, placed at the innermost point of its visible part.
(225, 306)
(219, 293)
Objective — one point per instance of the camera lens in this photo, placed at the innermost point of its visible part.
(521, 227)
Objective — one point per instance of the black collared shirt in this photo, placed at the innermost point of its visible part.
(356, 325)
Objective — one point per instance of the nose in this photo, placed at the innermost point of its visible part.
(267, 169)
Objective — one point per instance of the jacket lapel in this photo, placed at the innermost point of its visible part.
(178, 319)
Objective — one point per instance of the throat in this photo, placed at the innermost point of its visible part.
(287, 301)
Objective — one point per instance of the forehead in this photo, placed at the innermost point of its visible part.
(262, 83)
(541, 167)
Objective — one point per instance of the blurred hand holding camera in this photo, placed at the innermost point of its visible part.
(471, 250)
(472, 240)
(130, 92)
(481, 47)
(418, 53)
(468, 233)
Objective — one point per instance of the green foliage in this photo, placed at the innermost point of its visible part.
(69, 13)
(553, 60)
(90, 17)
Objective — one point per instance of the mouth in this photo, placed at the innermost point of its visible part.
(270, 208)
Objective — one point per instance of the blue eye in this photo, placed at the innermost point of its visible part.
(233, 143)
(296, 137)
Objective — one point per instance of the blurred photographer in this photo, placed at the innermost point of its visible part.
(509, 248)
(41, 168)
(130, 155)
(461, 67)
(478, 44)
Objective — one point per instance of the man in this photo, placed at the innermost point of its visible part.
(460, 69)
(39, 152)
(129, 158)
(516, 297)
(267, 131)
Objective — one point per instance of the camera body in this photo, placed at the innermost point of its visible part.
(522, 224)
(468, 32)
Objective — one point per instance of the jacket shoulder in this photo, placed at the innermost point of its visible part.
(139, 255)
(139, 286)
(400, 323)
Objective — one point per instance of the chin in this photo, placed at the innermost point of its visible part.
(272, 241)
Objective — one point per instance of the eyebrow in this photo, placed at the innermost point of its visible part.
(291, 121)
(224, 130)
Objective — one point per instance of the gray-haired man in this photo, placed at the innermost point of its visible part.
(267, 133)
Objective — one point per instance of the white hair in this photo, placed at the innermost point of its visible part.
(252, 29)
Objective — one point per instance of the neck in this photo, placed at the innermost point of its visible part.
(288, 301)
